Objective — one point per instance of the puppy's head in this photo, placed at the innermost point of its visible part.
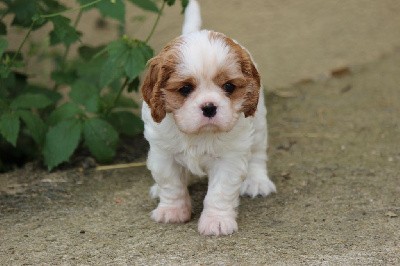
(205, 79)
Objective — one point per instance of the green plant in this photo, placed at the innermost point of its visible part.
(33, 123)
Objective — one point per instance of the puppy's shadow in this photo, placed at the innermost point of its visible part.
(198, 190)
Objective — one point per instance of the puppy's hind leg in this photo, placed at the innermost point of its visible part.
(171, 188)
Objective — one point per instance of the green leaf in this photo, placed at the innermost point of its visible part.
(66, 111)
(135, 63)
(126, 123)
(85, 94)
(88, 53)
(146, 5)
(37, 89)
(109, 73)
(35, 125)
(63, 32)
(61, 141)
(3, 28)
(101, 138)
(113, 67)
(3, 46)
(113, 9)
(146, 51)
(24, 11)
(136, 59)
(64, 76)
(14, 83)
(9, 127)
(107, 101)
(29, 100)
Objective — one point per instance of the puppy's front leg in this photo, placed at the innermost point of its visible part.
(171, 188)
(222, 199)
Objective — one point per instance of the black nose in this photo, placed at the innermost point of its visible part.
(209, 110)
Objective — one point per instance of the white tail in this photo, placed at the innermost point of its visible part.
(192, 21)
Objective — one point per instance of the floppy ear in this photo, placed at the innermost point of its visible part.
(251, 75)
(151, 89)
(253, 88)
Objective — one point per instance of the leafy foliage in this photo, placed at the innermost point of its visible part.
(40, 120)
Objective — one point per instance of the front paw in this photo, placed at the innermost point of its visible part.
(179, 214)
(257, 186)
(211, 224)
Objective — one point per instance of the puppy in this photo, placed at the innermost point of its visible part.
(204, 114)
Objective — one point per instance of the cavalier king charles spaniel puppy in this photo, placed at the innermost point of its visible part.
(204, 115)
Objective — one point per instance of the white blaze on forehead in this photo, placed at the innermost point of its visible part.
(202, 56)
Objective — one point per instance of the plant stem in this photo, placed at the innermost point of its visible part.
(156, 22)
(78, 18)
(67, 49)
(70, 9)
(22, 43)
(118, 96)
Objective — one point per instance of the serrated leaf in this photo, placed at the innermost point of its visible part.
(85, 94)
(146, 50)
(113, 67)
(101, 138)
(135, 63)
(35, 125)
(146, 5)
(89, 70)
(61, 142)
(9, 127)
(66, 111)
(3, 28)
(110, 72)
(126, 123)
(127, 57)
(63, 32)
(29, 100)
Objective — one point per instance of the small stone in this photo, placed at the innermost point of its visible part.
(391, 214)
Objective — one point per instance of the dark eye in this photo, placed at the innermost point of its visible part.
(186, 90)
(229, 87)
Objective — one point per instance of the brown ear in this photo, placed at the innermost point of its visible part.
(253, 88)
(151, 89)
(251, 75)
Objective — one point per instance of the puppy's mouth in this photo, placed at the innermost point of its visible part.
(206, 126)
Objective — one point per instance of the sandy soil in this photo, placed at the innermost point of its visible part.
(334, 156)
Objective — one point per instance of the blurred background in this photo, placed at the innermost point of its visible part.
(290, 40)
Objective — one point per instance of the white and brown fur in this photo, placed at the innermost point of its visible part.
(229, 147)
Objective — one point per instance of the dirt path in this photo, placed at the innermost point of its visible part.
(334, 156)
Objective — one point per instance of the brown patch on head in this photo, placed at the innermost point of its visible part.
(249, 87)
(173, 98)
(160, 70)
